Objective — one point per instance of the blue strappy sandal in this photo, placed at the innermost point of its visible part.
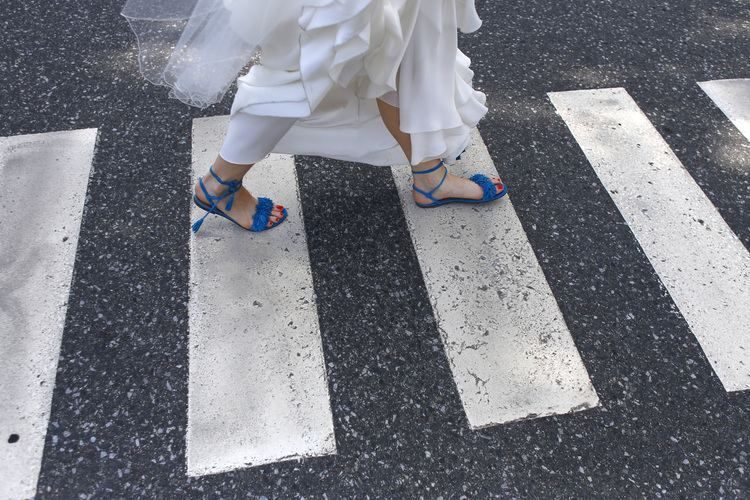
(262, 210)
(489, 189)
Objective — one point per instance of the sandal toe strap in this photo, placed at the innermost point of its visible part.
(262, 214)
(489, 189)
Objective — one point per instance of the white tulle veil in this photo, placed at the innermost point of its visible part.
(192, 47)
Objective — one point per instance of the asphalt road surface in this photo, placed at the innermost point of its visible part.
(664, 416)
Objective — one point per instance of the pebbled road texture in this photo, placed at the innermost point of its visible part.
(665, 427)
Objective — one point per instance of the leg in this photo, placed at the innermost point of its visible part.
(249, 139)
(452, 187)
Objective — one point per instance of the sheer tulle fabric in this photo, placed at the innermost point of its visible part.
(188, 46)
(323, 62)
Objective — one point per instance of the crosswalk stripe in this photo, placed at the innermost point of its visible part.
(702, 263)
(257, 381)
(509, 348)
(43, 180)
(733, 98)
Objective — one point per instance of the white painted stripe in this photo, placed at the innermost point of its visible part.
(697, 256)
(43, 181)
(510, 351)
(733, 98)
(257, 391)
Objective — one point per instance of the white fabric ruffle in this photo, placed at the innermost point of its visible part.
(326, 61)
(346, 54)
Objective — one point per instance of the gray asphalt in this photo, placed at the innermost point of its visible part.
(665, 428)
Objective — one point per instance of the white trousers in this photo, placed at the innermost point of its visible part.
(251, 137)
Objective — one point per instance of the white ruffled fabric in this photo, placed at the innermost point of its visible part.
(326, 61)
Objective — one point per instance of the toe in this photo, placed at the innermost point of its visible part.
(276, 214)
(273, 219)
(499, 183)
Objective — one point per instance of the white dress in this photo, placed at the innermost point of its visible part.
(325, 62)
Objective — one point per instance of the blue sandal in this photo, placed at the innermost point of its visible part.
(489, 189)
(262, 210)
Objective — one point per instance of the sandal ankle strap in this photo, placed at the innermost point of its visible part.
(234, 186)
(429, 195)
(427, 171)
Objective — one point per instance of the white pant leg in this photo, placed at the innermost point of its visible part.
(251, 137)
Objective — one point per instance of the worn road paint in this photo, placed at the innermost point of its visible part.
(43, 180)
(701, 262)
(509, 349)
(257, 390)
(733, 98)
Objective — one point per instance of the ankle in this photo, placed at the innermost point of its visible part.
(426, 165)
(428, 174)
(212, 185)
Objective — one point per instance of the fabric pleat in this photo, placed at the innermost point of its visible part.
(326, 61)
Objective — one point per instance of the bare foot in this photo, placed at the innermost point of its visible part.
(243, 206)
(453, 187)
